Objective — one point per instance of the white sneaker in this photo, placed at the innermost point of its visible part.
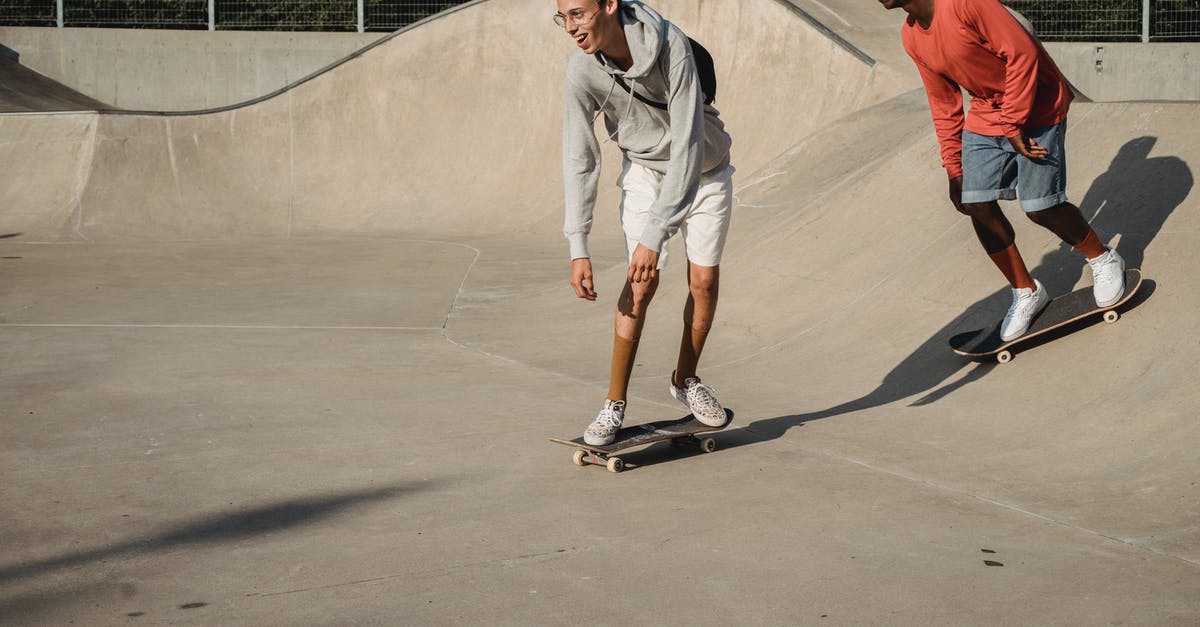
(701, 400)
(1108, 278)
(603, 429)
(1026, 305)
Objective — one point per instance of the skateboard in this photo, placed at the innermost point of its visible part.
(982, 344)
(680, 432)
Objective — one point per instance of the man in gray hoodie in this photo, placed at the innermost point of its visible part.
(638, 70)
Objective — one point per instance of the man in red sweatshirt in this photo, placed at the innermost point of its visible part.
(1011, 141)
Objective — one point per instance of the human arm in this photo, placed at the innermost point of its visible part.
(946, 108)
(1004, 37)
(681, 178)
(581, 166)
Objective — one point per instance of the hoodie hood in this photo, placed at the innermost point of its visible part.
(646, 34)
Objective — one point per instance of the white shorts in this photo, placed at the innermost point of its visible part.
(704, 227)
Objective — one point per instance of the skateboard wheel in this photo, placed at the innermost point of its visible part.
(578, 457)
(1004, 357)
(708, 445)
(1111, 316)
(615, 464)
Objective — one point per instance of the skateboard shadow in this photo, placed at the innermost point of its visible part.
(1132, 200)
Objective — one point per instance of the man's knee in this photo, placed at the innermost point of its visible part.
(979, 209)
(1064, 220)
(1053, 216)
(703, 281)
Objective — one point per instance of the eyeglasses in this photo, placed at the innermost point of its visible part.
(576, 16)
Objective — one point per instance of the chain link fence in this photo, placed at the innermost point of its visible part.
(1112, 20)
(284, 15)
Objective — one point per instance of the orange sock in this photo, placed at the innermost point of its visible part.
(1012, 266)
(1091, 246)
(624, 352)
(690, 346)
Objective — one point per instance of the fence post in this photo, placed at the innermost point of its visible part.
(1145, 21)
(212, 14)
(360, 16)
(60, 13)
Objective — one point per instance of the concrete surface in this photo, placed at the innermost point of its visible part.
(23, 90)
(296, 363)
(176, 70)
(1115, 72)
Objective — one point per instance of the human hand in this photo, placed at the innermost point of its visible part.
(1027, 147)
(643, 266)
(581, 278)
(956, 193)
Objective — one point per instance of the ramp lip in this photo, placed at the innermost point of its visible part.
(300, 81)
(830, 33)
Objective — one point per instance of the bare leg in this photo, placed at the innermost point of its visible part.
(1067, 223)
(630, 319)
(698, 314)
(996, 235)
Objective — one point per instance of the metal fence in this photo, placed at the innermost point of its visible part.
(289, 15)
(1112, 20)
(1055, 20)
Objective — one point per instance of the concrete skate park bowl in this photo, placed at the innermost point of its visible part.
(297, 361)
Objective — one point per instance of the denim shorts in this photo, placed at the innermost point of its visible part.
(993, 170)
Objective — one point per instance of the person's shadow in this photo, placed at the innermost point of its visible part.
(1132, 199)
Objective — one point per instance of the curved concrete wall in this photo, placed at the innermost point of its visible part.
(176, 70)
(452, 125)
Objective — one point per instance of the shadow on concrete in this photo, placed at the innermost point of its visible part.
(1132, 199)
(9, 235)
(223, 527)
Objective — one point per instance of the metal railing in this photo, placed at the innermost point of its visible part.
(1054, 20)
(289, 15)
(1112, 20)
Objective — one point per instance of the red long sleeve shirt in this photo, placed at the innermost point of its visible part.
(978, 45)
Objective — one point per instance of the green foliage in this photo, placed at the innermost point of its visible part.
(1175, 20)
(28, 13)
(136, 13)
(1093, 20)
(318, 15)
(1110, 20)
(290, 15)
(1055, 20)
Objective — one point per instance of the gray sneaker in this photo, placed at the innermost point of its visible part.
(1026, 305)
(701, 400)
(1108, 278)
(603, 429)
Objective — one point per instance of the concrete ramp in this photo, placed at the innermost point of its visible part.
(297, 361)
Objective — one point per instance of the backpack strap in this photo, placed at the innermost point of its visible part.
(705, 75)
(643, 99)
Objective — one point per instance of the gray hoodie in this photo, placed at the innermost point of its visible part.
(681, 143)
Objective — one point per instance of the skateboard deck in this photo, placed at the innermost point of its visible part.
(680, 432)
(986, 343)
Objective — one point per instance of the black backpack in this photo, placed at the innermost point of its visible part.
(704, 68)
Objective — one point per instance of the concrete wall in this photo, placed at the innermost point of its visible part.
(430, 131)
(1123, 72)
(1117, 72)
(173, 70)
